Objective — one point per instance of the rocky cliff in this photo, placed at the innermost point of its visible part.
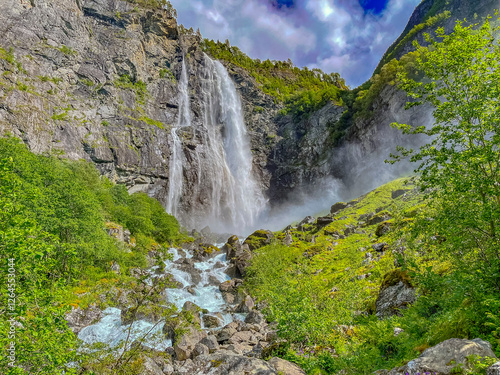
(99, 80)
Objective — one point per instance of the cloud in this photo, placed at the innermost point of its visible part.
(345, 36)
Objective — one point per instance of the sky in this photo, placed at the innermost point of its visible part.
(344, 36)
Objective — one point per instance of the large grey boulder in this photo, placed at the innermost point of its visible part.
(186, 343)
(396, 293)
(78, 318)
(285, 367)
(444, 357)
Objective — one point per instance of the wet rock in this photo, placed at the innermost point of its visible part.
(337, 207)
(210, 321)
(78, 318)
(254, 317)
(285, 367)
(444, 357)
(246, 305)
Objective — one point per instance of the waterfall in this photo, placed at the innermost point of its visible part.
(236, 199)
(175, 174)
(223, 194)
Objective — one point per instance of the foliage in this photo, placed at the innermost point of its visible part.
(303, 90)
(429, 22)
(139, 87)
(52, 224)
(461, 160)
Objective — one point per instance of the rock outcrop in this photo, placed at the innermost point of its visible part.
(444, 357)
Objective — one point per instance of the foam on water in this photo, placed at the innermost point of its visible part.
(110, 331)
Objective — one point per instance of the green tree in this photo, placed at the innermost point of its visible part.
(461, 161)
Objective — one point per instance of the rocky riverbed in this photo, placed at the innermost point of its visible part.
(226, 333)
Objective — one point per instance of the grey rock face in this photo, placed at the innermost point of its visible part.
(442, 358)
(393, 298)
(494, 369)
(78, 319)
(286, 367)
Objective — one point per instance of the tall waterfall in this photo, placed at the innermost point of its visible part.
(175, 174)
(236, 198)
(222, 192)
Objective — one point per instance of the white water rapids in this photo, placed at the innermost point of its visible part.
(109, 330)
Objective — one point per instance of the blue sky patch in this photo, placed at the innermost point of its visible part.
(374, 6)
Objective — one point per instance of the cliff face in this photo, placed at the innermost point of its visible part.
(98, 80)
(305, 155)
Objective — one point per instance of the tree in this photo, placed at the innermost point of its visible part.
(461, 162)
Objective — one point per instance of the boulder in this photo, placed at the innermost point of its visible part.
(211, 343)
(224, 363)
(494, 369)
(396, 293)
(225, 333)
(378, 218)
(78, 318)
(200, 349)
(380, 247)
(288, 240)
(337, 207)
(444, 357)
(150, 367)
(246, 305)
(210, 321)
(258, 239)
(383, 228)
(185, 343)
(397, 193)
(232, 247)
(285, 367)
(254, 317)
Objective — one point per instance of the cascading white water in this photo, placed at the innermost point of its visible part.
(176, 161)
(230, 198)
(236, 199)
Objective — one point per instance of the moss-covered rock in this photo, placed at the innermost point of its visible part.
(258, 239)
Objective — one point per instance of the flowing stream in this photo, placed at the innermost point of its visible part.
(204, 293)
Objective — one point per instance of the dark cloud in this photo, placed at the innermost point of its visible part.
(345, 36)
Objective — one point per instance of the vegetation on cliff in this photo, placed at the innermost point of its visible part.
(53, 216)
(302, 90)
(325, 288)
